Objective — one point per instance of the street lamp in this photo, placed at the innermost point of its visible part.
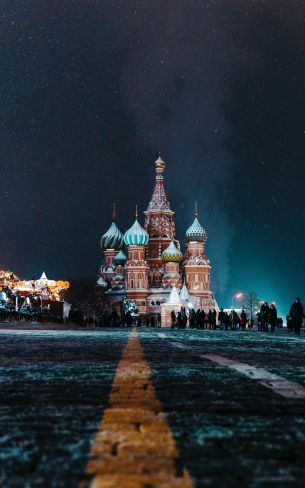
(238, 296)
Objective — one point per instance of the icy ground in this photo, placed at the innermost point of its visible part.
(230, 429)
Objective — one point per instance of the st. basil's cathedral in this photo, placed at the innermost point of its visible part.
(152, 274)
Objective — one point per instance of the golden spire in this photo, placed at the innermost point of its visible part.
(196, 209)
(113, 212)
(136, 211)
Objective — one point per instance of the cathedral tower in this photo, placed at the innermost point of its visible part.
(172, 257)
(160, 226)
(111, 242)
(136, 268)
(197, 266)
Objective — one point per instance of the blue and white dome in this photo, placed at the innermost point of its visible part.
(136, 235)
(120, 258)
(113, 238)
(196, 232)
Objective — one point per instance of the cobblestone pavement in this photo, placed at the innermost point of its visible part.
(71, 397)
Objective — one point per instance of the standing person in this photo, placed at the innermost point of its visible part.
(179, 320)
(192, 318)
(202, 317)
(214, 318)
(197, 319)
(259, 321)
(243, 319)
(272, 317)
(173, 318)
(289, 323)
(128, 319)
(227, 320)
(222, 319)
(265, 316)
(297, 315)
(183, 317)
(234, 320)
(210, 318)
(206, 320)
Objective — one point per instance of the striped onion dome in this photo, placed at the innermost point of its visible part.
(136, 235)
(120, 258)
(113, 238)
(196, 232)
(172, 254)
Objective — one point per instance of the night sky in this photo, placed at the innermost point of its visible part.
(90, 89)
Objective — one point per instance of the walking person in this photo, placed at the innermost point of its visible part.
(297, 315)
(272, 317)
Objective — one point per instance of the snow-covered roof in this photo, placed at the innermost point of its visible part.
(174, 298)
(184, 294)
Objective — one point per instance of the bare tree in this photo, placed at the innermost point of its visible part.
(251, 304)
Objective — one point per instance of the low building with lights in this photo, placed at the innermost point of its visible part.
(43, 294)
(142, 266)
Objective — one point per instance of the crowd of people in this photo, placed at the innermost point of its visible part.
(264, 320)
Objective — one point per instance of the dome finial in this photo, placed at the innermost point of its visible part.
(113, 211)
(136, 211)
(196, 209)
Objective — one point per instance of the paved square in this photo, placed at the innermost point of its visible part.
(215, 425)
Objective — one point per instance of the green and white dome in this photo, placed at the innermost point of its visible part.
(120, 258)
(113, 238)
(172, 254)
(136, 235)
(196, 232)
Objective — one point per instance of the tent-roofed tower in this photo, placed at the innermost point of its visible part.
(159, 224)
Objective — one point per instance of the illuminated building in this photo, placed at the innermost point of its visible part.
(48, 289)
(152, 263)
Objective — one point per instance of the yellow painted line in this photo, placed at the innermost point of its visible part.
(134, 446)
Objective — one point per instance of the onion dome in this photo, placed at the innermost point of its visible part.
(196, 232)
(101, 282)
(136, 235)
(120, 258)
(172, 254)
(113, 238)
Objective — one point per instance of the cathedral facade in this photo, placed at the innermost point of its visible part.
(142, 266)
